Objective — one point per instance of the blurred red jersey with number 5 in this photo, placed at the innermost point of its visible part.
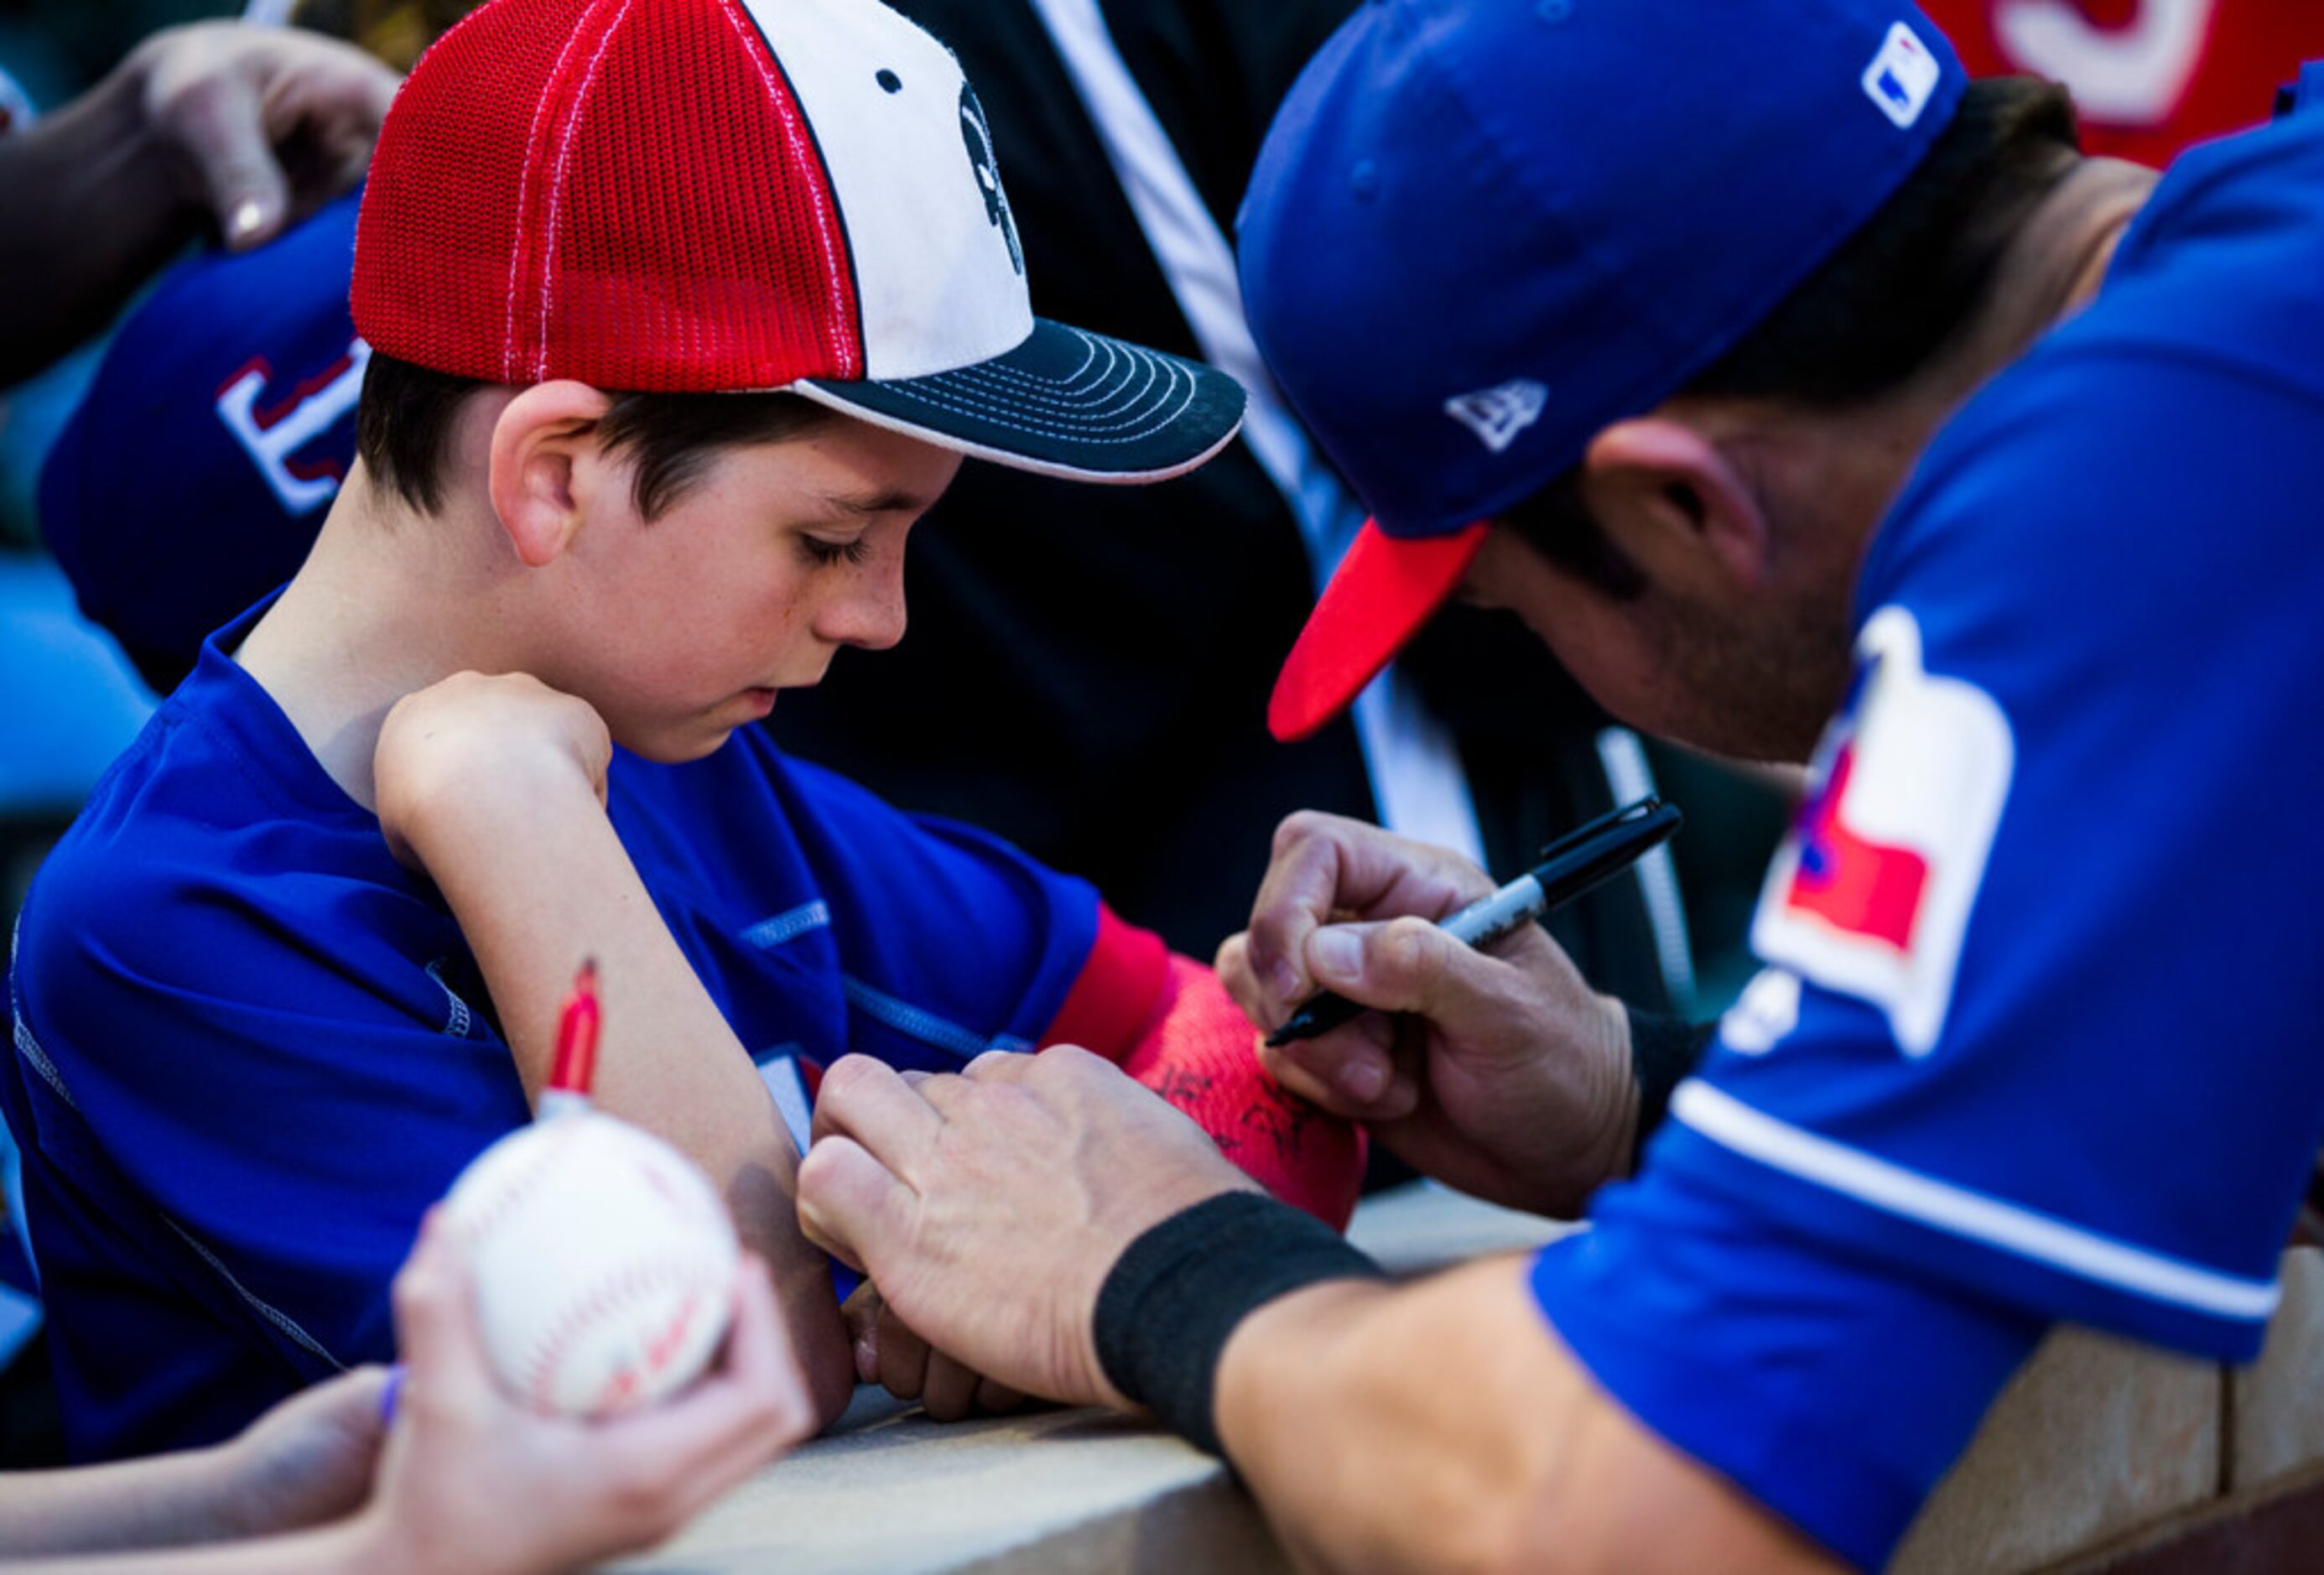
(2151, 77)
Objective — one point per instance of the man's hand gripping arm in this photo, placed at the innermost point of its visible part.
(1427, 1426)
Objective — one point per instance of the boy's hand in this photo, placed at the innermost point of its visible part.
(889, 1353)
(472, 748)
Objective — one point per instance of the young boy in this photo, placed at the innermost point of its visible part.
(302, 956)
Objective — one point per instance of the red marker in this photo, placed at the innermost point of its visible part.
(575, 1068)
(569, 1077)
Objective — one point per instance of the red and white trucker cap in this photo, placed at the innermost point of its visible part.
(723, 195)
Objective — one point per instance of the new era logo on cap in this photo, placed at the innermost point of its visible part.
(1903, 77)
(1497, 415)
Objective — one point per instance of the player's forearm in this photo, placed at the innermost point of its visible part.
(1397, 1427)
(538, 891)
(88, 206)
(1442, 1425)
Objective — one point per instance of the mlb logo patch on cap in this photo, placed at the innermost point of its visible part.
(1903, 77)
(1870, 895)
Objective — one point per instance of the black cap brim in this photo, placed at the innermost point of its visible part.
(1065, 403)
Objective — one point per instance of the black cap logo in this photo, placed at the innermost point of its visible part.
(978, 135)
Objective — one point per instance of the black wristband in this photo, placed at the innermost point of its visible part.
(1177, 1293)
(1663, 1052)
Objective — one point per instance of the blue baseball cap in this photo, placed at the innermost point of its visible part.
(1481, 231)
(196, 471)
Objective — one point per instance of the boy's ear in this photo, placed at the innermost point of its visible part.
(1676, 504)
(543, 464)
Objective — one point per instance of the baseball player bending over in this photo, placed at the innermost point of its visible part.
(1785, 383)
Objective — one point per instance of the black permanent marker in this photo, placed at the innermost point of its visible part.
(1577, 862)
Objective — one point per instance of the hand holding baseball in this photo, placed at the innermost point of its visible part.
(601, 1258)
(474, 1480)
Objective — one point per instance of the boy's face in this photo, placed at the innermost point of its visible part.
(683, 629)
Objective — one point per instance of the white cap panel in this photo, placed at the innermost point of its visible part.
(939, 274)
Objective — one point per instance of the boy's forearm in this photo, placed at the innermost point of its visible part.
(547, 884)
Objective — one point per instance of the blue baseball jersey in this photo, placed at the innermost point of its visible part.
(252, 1048)
(2036, 1040)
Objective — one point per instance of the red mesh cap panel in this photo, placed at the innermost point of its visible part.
(437, 235)
(621, 191)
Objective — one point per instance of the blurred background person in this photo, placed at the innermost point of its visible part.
(2150, 77)
(213, 125)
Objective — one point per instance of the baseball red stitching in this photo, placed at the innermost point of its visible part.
(488, 1216)
(628, 1286)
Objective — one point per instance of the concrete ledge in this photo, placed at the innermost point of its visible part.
(1062, 1491)
(1419, 1228)
(2277, 1404)
(889, 1490)
(2099, 1456)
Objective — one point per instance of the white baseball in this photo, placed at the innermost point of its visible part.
(603, 1263)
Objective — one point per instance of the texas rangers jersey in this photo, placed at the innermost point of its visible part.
(2036, 1039)
(251, 1048)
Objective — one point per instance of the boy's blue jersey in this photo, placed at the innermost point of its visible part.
(2036, 1038)
(252, 1048)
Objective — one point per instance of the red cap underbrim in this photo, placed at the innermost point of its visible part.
(1383, 590)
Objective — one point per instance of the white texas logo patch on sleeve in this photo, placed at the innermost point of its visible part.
(1869, 896)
